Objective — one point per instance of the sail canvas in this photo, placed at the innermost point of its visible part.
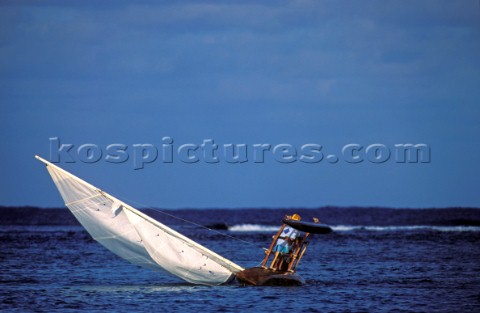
(136, 237)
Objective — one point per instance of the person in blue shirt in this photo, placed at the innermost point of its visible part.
(285, 241)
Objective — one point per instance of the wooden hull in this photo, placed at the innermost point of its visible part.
(259, 276)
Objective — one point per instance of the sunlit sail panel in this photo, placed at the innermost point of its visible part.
(181, 256)
(135, 236)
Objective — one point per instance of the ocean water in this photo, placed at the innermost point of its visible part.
(414, 267)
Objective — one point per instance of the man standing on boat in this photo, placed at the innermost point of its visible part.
(285, 242)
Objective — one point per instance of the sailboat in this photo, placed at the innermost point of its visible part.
(136, 237)
(144, 241)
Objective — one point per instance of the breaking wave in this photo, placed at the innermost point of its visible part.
(407, 228)
(349, 228)
(253, 228)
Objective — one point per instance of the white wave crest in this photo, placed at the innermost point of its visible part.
(348, 228)
(341, 228)
(253, 228)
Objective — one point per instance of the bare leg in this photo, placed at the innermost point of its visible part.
(280, 263)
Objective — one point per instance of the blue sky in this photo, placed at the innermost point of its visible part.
(325, 72)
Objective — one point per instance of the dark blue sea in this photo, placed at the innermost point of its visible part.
(376, 260)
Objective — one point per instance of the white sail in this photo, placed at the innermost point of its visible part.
(136, 237)
(181, 256)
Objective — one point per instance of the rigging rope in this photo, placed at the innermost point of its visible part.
(144, 206)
